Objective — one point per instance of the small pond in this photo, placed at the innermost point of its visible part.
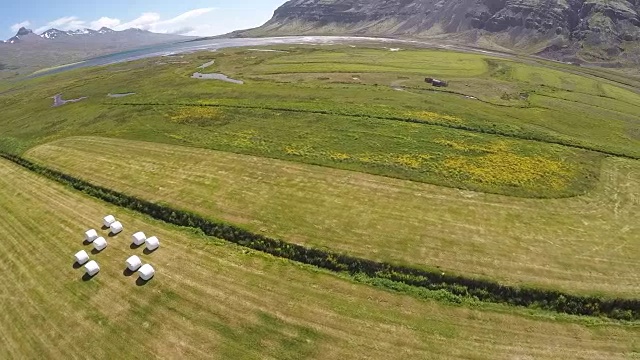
(221, 77)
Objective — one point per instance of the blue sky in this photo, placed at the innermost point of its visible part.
(189, 17)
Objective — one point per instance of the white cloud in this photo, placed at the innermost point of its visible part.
(196, 22)
(144, 22)
(187, 16)
(180, 24)
(104, 22)
(63, 23)
(16, 27)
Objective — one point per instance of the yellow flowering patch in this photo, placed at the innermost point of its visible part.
(244, 139)
(508, 169)
(198, 115)
(338, 156)
(297, 150)
(411, 160)
(429, 116)
(495, 147)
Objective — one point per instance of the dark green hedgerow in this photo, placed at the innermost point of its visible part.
(482, 290)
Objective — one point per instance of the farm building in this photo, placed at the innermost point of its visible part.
(146, 272)
(152, 243)
(138, 238)
(108, 220)
(133, 263)
(100, 244)
(92, 268)
(81, 257)
(439, 83)
(90, 235)
(436, 82)
(116, 228)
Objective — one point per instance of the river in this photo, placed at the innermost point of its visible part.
(199, 45)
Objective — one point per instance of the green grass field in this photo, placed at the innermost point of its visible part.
(411, 134)
(576, 244)
(212, 300)
(523, 172)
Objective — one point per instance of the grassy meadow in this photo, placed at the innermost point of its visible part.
(523, 172)
(387, 120)
(213, 300)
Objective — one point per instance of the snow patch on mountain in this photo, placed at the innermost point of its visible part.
(55, 33)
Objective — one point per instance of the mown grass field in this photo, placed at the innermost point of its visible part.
(213, 300)
(577, 245)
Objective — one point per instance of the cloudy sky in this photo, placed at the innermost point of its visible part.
(188, 17)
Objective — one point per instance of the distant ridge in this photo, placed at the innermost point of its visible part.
(595, 31)
(27, 52)
(54, 34)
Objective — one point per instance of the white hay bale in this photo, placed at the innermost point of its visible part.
(146, 272)
(81, 257)
(90, 235)
(152, 243)
(92, 268)
(133, 263)
(108, 220)
(116, 228)
(100, 244)
(138, 238)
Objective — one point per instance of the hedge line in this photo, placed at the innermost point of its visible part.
(483, 290)
(511, 133)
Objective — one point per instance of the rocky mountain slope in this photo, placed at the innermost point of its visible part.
(55, 33)
(26, 51)
(581, 30)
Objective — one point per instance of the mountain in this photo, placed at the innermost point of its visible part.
(105, 30)
(96, 36)
(55, 33)
(23, 35)
(581, 30)
(27, 52)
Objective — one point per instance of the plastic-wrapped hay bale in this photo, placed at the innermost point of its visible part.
(133, 263)
(108, 220)
(90, 235)
(116, 228)
(152, 243)
(146, 272)
(138, 238)
(81, 257)
(100, 244)
(92, 268)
